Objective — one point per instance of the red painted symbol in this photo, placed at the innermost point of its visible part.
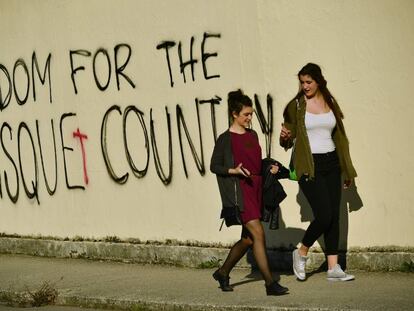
(81, 137)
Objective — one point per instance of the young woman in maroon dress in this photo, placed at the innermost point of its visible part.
(236, 161)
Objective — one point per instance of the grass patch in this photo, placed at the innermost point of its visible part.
(112, 239)
(214, 262)
(407, 267)
(46, 294)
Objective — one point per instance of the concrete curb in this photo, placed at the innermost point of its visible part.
(192, 256)
(105, 303)
(123, 304)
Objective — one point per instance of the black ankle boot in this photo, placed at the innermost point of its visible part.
(275, 289)
(223, 281)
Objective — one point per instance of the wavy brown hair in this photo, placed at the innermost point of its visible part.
(315, 72)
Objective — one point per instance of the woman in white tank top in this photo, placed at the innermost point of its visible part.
(313, 118)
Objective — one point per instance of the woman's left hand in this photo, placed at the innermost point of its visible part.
(274, 169)
(347, 183)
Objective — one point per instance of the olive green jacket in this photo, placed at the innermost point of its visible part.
(294, 120)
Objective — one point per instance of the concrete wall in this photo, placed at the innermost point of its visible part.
(104, 54)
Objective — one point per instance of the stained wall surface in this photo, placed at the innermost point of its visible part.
(110, 109)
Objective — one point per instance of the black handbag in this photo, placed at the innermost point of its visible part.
(231, 214)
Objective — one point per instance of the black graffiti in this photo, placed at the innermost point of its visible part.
(49, 190)
(265, 126)
(157, 161)
(35, 183)
(95, 75)
(42, 78)
(191, 62)
(181, 126)
(104, 147)
(181, 122)
(32, 150)
(12, 197)
(64, 148)
(13, 84)
(169, 44)
(25, 139)
(138, 173)
(119, 68)
(206, 56)
(212, 102)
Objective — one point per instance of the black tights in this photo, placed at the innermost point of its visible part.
(252, 236)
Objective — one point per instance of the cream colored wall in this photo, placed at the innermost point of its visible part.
(364, 47)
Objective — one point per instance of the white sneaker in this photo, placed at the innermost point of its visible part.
(337, 274)
(299, 263)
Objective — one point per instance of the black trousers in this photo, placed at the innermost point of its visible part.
(324, 196)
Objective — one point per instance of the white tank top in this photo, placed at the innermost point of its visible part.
(319, 128)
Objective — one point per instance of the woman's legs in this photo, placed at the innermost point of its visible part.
(257, 239)
(324, 195)
(252, 234)
(316, 192)
(259, 249)
(236, 253)
(331, 236)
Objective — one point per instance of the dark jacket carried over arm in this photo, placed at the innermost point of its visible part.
(273, 192)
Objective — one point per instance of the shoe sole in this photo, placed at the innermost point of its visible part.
(278, 294)
(344, 279)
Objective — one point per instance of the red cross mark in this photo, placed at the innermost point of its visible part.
(81, 137)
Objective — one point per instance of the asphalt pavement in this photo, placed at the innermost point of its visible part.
(102, 285)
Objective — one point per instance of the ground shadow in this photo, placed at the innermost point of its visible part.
(255, 276)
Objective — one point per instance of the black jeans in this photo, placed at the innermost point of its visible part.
(324, 196)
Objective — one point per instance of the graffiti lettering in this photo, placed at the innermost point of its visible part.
(181, 122)
(160, 172)
(213, 102)
(138, 173)
(265, 126)
(181, 125)
(119, 69)
(104, 147)
(105, 65)
(24, 140)
(12, 197)
(191, 62)
(81, 137)
(34, 193)
(205, 56)
(49, 190)
(64, 148)
(14, 86)
(167, 45)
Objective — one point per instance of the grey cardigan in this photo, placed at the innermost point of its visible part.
(221, 161)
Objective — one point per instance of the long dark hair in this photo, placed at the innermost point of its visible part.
(236, 101)
(315, 72)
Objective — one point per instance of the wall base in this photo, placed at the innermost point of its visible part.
(395, 259)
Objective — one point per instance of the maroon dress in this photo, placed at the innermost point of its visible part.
(246, 150)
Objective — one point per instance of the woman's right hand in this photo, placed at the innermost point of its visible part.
(285, 134)
(240, 170)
